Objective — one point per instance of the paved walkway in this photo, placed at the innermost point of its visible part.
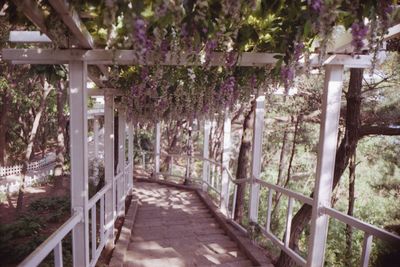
(173, 227)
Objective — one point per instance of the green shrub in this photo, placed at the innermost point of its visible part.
(59, 204)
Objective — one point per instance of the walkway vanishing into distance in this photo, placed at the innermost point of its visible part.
(176, 227)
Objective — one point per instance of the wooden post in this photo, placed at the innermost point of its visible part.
(96, 148)
(225, 163)
(189, 155)
(325, 163)
(256, 157)
(79, 160)
(206, 154)
(157, 149)
(110, 213)
(96, 137)
(130, 155)
(121, 187)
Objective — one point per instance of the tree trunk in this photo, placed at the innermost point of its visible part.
(61, 124)
(3, 128)
(282, 158)
(32, 136)
(350, 210)
(244, 159)
(344, 153)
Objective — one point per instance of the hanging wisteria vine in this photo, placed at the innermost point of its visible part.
(197, 28)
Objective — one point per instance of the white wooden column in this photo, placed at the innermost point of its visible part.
(96, 136)
(121, 187)
(96, 147)
(79, 160)
(157, 149)
(256, 157)
(130, 154)
(225, 162)
(110, 213)
(325, 163)
(206, 154)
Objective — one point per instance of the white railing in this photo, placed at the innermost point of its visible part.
(266, 229)
(53, 243)
(97, 247)
(368, 229)
(142, 154)
(16, 169)
(99, 229)
(119, 183)
(214, 183)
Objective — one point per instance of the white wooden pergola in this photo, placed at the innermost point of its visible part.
(118, 185)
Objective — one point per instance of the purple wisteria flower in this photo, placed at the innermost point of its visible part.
(298, 50)
(143, 43)
(253, 81)
(211, 45)
(164, 48)
(230, 59)
(316, 5)
(287, 76)
(227, 90)
(359, 31)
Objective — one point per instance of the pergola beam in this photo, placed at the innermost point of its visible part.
(28, 37)
(343, 42)
(33, 13)
(129, 57)
(71, 19)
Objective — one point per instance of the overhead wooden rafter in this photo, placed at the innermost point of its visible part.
(28, 37)
(342, 44)
(129, 57)
(71, 20)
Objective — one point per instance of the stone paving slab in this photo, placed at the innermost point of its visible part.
(173, 227)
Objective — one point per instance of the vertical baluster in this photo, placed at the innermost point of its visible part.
(229, 213)
(157, 149)
(93, 214)
(102, 219)
(268, 223)
(366, 250)
(288, 221)
(118, 195)
(58, 257)
(234, 201)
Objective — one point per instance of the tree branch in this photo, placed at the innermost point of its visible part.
(378, 130)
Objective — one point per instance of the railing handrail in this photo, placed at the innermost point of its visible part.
(363, 226)
(118, 176)
(98, 195)
(285, 191)
(41, 252)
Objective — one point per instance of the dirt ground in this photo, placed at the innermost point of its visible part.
(8, 207)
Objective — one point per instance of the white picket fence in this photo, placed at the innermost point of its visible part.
(15, 170)
(38, 171)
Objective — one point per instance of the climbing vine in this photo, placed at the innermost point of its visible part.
(197, 28)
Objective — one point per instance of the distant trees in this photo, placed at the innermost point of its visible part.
(31, 115)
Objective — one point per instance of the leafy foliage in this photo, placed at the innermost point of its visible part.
(21, 237)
